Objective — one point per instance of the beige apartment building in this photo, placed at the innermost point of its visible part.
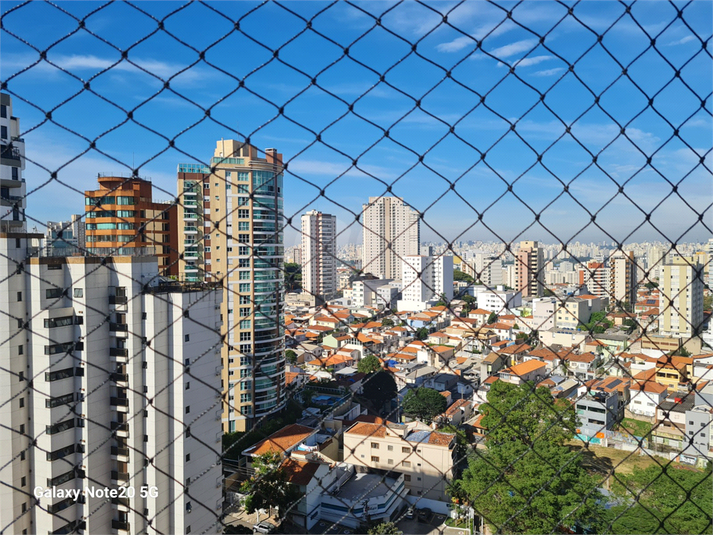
(230, 228)
(529, 269)
(425, 457)
(622, 278)
(681, 299)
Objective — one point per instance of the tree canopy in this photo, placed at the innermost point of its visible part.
(291, 356)
(422, 333)
(492, 318)
(424, 404)
(268, 487)
(369, 364)
(385, 528)
(458, 275)
(387, 322)
(528, 480)
(379, 388)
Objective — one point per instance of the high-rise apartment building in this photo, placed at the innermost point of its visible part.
(391, 231)
(121, 216)
(319, 255)
(596, 278)
(529, 269)
(622, 278)
(12, 164)
(425, 279)
(68, 235)
(231, 230)
(485, 268)
(110, 382)
(681, 293)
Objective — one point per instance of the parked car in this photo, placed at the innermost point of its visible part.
(264, 527)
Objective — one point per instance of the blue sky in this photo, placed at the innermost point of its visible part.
(383, 78)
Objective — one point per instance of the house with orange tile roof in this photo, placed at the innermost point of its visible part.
(646, 396)
(282, 441)
(457, 412)
(600, 405)
(583, 367)
(531, 370)
(502, 330)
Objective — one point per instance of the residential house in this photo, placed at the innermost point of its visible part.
(531, 370)
(424, 457)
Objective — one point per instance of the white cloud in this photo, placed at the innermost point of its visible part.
(526, 62)
(682, 41)
(77, 63)
(457, 44)
(548, 72)
(514, 48)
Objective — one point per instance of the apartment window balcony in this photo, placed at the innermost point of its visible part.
(121, 404)
(120, 454)
(122, 504)
(118, 327)
(119, 477)
(120, 525)
(118, 299)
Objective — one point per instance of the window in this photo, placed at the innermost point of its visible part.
(79, 292)
(23, 482)
(405, 450)
(243, 214)
(22, 402)
(374, 446)
(406, 463)
(390, 461)
(245, 336)
(188, 385)
(20, 350)
(374, 459)
(188, 409)
(53, 293)
(407, 477)
(244, 275)
(244, 299)
(245, 324)
(19, 296)
(244, 225)
(187, 338)
(244, 287)
(245, 311)
(188, 457)
(246, 397)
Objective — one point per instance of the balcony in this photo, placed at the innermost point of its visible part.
(120, 454)
(119, 329)
(190, 230)
(121, 379)
(118, 299)
(119, 477)
(119, 355)
(120, 526)
(121, 404)
(122, 430)
(122, 504)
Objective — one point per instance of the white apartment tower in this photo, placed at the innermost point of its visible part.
(424, 280)
(12, 163)
(231, 230)
(113, 375)
(681, 299)
(391, 232)
(622, 278)
(319, 255)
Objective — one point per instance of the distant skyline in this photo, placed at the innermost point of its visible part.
(378, 105)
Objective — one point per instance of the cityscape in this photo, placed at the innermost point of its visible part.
(212, 348)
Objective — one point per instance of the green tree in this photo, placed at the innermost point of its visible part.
(293, 276)
(369, 364)
(387, 322)
(707, 302)
(528, 480)
(385, 528)
(651, 285)
(492, 318)
(458, 275)
(548, 293)
(268, 487)
(379, 388)
(424, 404)
(422, 333)
(291, 356)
